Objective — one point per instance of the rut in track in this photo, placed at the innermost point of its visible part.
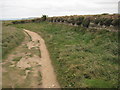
(48, 75)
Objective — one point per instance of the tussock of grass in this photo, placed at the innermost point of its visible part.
(29, 68)
(79, 54)
(17, 59)
(39, 78)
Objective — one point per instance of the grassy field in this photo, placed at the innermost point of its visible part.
(11, 37)
(15, 76)
(81, 57)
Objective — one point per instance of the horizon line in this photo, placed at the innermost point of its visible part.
(33, 17)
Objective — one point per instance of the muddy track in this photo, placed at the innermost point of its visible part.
(47, 71)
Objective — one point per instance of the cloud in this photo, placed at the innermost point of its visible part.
(35, 8)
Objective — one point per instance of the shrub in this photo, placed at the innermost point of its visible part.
(44, 17)
(116, 22)
(58, 19)
(61, 19)
(105, 14)
(33, 20)
(97, 21)
(79, 20)
(38, 20)
(15, 22)
(108, 22)
(86, 22)
(22, 21)
(102, 21)
(71, 20)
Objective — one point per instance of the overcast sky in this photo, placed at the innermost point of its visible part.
(36, 8)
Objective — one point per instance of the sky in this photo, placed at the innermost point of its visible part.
(36, 8)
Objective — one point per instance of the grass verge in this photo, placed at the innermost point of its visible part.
(11, 38)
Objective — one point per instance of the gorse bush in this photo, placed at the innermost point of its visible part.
(97, 21)
(116, 22)
(79, 20)
(86, 22)
(102, 20)
(44, 17)
(71, 20)
(108, 22)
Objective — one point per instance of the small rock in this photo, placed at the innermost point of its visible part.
(53, 85)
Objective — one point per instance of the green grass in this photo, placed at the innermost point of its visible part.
(0, 53)
(39, 78)
(17, 59)
(29, 68)
(81, 57)
(94, 83)
(11, 38)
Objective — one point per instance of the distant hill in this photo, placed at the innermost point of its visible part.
(5, 19)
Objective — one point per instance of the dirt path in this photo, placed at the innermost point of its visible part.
(48, 75)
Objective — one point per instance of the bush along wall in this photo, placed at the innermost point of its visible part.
(79, 20)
